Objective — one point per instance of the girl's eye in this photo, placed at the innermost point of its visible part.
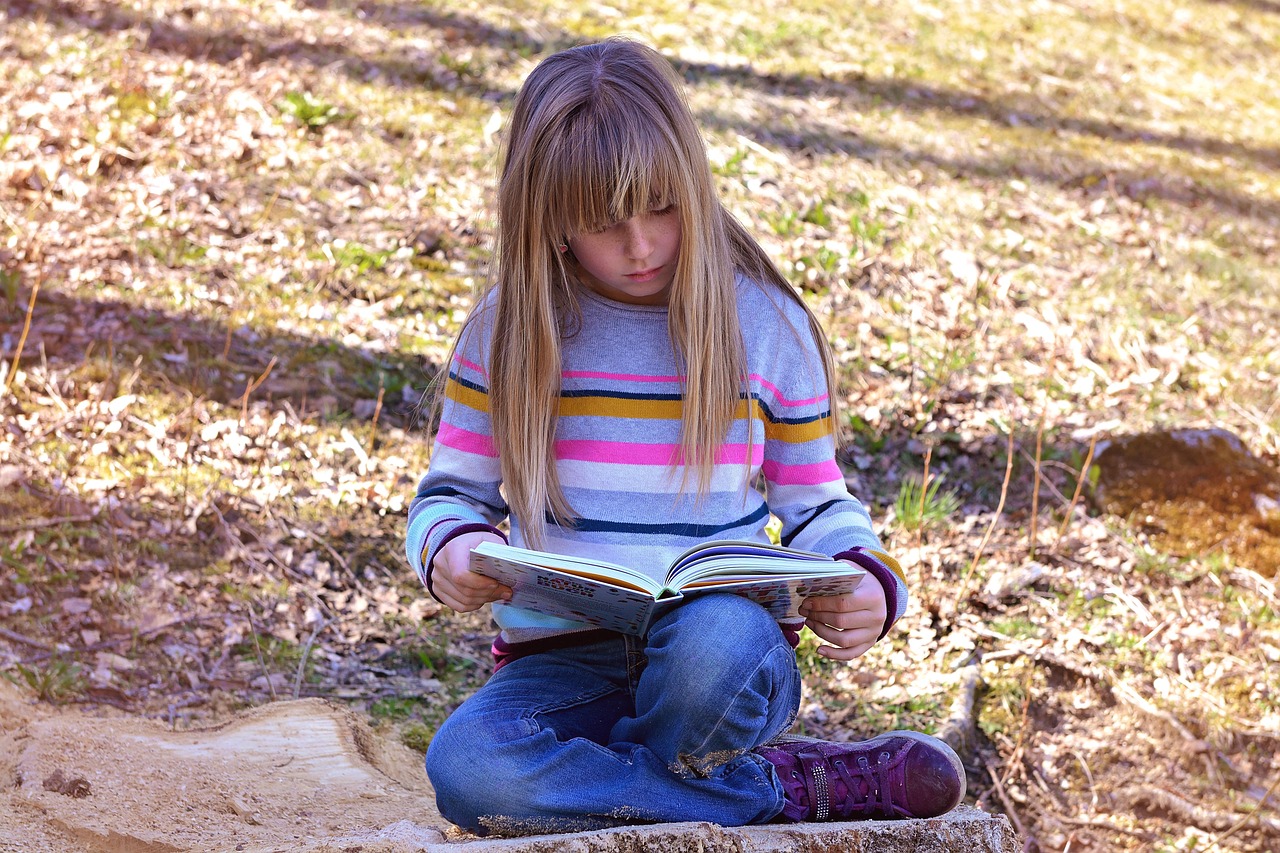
(663, 211)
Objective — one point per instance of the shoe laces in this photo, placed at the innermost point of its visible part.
(836, 788)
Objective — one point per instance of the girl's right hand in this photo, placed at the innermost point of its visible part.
(455, 584)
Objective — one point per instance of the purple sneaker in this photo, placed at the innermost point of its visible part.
(894, 775)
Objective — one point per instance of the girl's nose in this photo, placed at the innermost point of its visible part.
(636, 240)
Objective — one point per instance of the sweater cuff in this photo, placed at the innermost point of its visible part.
(429, 565)
(882, 573)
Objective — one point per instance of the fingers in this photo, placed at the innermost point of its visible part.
(456, 585)
(850, 623)
(845, 644)
(464, 594)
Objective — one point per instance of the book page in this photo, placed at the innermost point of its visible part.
(567, 595)
(782, 597)
(739, 561)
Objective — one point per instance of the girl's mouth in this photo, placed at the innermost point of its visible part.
(644, 275)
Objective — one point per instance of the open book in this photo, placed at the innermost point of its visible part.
(625, 600)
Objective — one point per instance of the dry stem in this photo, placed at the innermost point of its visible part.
(1035, 489)
(1075, 497)
(250, 387)
(995, 518)
(26, 329)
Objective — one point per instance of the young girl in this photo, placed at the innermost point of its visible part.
(636, 367)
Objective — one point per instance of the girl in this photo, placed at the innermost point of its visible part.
(637, 365)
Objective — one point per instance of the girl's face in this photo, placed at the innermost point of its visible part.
(634, 260)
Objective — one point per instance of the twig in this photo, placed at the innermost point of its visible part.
(959, 729)
(257, 647)
(1126, 693)
(38, 523)
(377, 410)
(1084, 765)
(306, 653)
(26, 641)
(26, 325)
(250, 387)
(1035, 490)
(1244, 820)
(1071, 507)
(986, 537)
(1015, 758)
(1004, 798)
(1199, 816)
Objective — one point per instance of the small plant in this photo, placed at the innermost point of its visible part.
(818, 215)
(918, 506)
(733, 166)
(417, 736)
(785, 224)
(55, 682)
(867, 232)
(394, 708)
(311, 112)
(355, 258)
(10, 281)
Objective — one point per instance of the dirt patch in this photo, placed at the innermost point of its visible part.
(296, 773)
(1195, 491)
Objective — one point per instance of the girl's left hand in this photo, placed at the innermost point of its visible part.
(850, 623)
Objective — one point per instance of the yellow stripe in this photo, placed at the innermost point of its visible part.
(468, 397)
(614, 407)
(672, 410)
(797, 433)
(891, 563)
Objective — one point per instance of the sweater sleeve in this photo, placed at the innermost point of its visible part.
(460, 491)
(804, 484)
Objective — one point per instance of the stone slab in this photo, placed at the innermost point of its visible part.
(964, 830)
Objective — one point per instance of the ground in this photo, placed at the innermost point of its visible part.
(236, 238)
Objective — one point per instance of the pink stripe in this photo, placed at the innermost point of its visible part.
(782, 400)
(632, 453)
(803, 475)
(470, 365)
(466, 441)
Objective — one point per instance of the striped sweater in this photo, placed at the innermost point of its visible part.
(617, 433)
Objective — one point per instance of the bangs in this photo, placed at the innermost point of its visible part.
(608, 168)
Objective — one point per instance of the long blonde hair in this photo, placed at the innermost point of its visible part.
(598, 134)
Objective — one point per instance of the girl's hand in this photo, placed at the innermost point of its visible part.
(851, 623)
(455, 584)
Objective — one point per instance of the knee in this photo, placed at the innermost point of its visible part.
(719, 633)
(467, 764)
(719, 623)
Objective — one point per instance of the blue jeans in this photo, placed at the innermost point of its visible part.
(626, 730)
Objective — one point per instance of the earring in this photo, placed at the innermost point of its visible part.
(563, 247)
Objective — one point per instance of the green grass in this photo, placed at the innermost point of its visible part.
(920, 507)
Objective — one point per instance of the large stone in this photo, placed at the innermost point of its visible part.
(965, 830)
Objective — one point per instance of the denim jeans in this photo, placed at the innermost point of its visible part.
(626, 730)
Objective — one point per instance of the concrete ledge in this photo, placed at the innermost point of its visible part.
(965, 830)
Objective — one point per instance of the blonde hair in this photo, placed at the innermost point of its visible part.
(598, 134)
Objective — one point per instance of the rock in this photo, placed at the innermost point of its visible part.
(964, 830)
